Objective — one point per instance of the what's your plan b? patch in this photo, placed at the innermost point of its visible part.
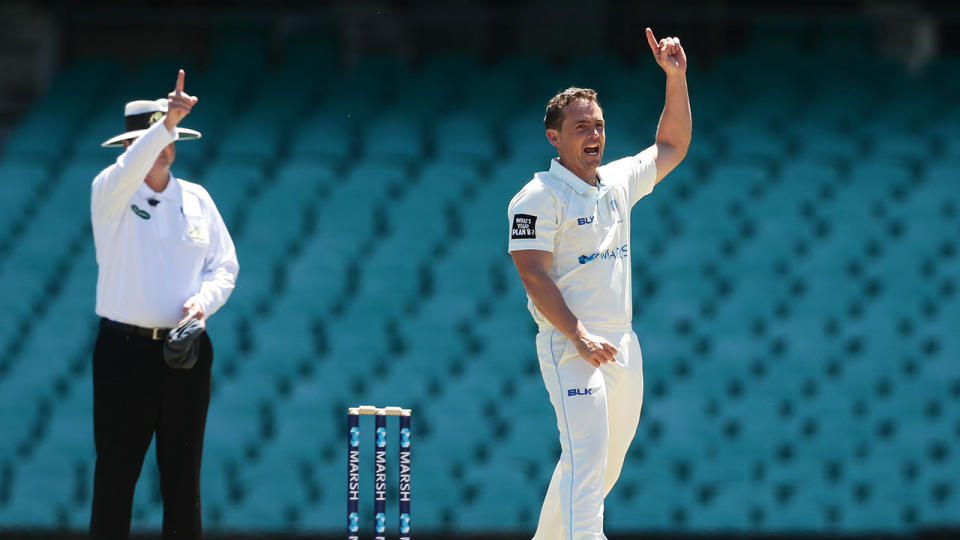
(524, 226)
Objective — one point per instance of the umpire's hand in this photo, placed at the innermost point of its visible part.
(179, 103)
(191, 310)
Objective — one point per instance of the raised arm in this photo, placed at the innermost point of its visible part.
(676, 123)
(114, 186)
(533, 266)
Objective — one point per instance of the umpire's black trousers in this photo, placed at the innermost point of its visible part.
(136, 395)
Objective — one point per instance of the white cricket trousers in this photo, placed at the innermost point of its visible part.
(597, 414)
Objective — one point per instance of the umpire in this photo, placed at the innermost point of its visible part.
(166, 261)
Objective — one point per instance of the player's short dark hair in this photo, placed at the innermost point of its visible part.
(554, 117)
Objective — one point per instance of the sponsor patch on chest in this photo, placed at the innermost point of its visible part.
(524, 226)
(142, 214)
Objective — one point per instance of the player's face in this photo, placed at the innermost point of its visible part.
(581, 138)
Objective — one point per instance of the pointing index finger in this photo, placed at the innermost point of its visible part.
(180, 76)
(652, 41)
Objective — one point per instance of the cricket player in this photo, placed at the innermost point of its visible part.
(570, 242)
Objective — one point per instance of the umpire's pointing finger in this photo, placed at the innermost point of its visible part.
(652, 41)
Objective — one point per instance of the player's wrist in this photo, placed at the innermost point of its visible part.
(676, 76)
(580, 332)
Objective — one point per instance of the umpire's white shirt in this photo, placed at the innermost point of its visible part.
(152, 259)
(587, 228)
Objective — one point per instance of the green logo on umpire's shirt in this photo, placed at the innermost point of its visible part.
(136, 210)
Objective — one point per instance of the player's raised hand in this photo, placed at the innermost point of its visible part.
(668, 53)
(179, 103)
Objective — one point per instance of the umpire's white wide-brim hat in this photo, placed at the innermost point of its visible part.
(140, 115)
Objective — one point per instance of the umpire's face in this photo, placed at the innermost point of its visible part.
(164, 160)
(581, 138)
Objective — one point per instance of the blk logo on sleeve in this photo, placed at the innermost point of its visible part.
(524, 226)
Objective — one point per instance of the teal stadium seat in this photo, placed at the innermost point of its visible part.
(464, 135)
(20, 181)
(747, 139)
(231, 430)
(252, 139)
(524, 136)
(327, 135)
(532, 77)
(395, 136)
(272, 498)
(43, 133)
(231, 184)
(278, 222)
(37, 496)
(58, 216)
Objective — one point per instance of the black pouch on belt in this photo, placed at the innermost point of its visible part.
(180, 349)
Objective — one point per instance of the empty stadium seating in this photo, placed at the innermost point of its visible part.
(795, 290)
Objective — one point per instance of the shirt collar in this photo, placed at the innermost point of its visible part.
(170, 193)
(571, 179)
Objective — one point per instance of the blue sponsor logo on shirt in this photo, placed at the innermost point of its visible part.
(585, 220)
(621, 252)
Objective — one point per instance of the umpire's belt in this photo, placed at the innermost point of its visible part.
(156, 334)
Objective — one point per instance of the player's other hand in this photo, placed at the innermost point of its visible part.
(179, 103)
(668, 53)
(594, 349)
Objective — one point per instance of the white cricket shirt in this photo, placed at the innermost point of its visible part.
(152, 259)
(587, 228)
